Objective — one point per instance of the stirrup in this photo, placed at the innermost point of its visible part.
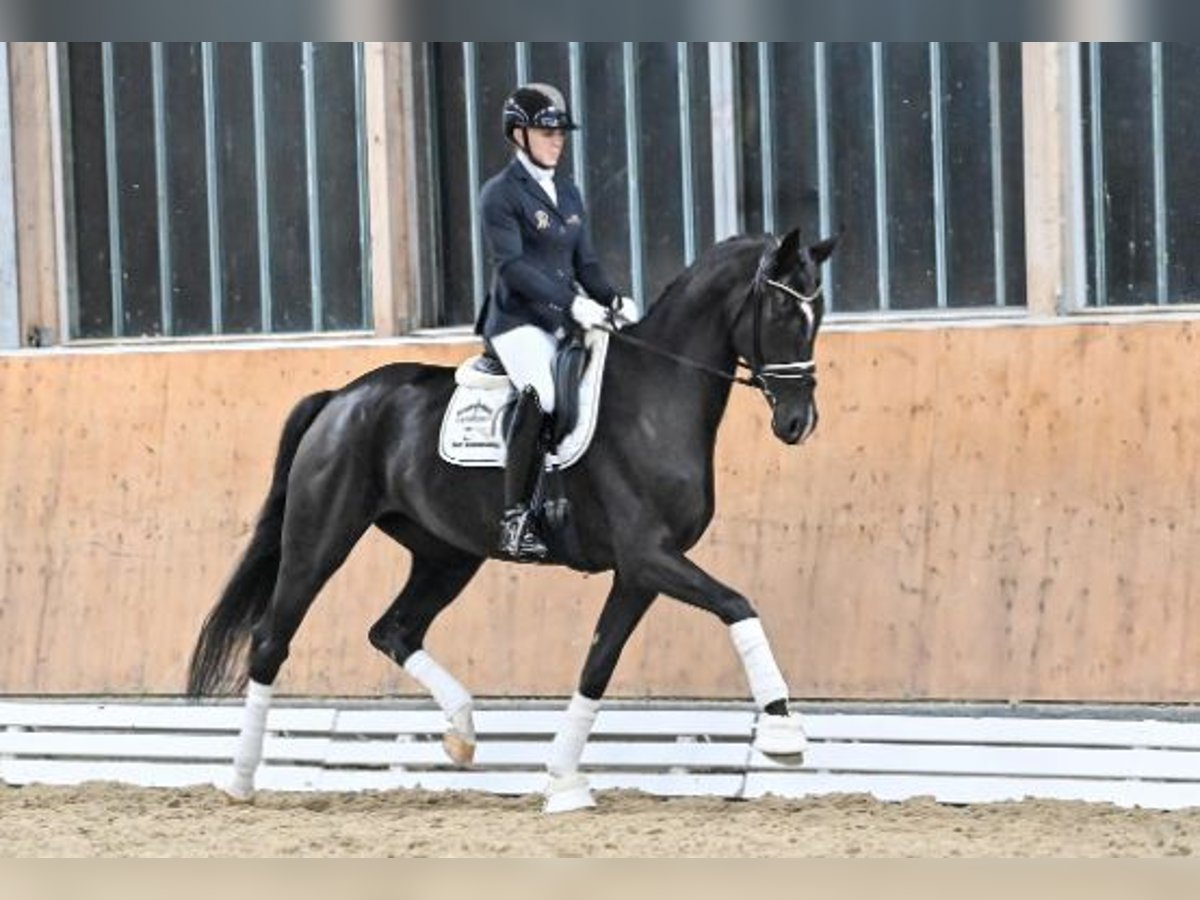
(519, 540)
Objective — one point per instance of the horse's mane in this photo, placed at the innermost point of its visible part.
(711, 260)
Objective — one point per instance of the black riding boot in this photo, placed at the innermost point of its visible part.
(519, 538)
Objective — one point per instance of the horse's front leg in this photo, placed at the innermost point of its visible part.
(567, 788)
(778, 732)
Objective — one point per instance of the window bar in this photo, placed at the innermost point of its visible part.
(364, 193)
(312, 182)
(1099, 248)
(687, 167)
(66, 255)
(725, 164)
(997, 153)
(938, 136)
(521, 51)
(824, 179)
(216, 274)
(1074, 292)
(634, 161)
(575, 64)
(116, 264)
(881, 203)
(471, 85)
(10, 336)
(163, 192)
(765, 134)
(1161, 247)
(260, 184)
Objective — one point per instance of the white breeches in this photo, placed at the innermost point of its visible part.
(527, 353)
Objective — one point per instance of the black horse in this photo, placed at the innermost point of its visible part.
(640, 498)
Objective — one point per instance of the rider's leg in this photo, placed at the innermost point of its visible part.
(519, 538)
(527, 353)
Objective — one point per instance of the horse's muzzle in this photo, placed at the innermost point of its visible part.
(796, 427)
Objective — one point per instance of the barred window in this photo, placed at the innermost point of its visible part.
(916, 149)
(1141, 112)
(215, 189)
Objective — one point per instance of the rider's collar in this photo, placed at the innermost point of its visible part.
(540, 174)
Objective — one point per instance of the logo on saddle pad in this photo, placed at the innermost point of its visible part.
(473, 427)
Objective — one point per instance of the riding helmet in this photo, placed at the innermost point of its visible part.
(536, 106)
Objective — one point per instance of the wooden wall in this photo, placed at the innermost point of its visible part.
(1003, 512)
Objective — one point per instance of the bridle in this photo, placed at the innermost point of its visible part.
(803, 371)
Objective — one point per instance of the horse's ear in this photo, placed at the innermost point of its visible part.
(787, 254)
(822, 250)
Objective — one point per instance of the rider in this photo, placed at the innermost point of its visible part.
(547, 280)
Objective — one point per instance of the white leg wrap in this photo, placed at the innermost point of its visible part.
(567, 789)
(766, 681)
(455, 702)
(250, 742)
(451, 696)
(567, 748)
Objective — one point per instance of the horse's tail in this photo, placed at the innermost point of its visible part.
(225, 633)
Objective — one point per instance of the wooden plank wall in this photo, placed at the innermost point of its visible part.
(1002, 512)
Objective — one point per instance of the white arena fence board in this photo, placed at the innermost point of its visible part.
(976, 755)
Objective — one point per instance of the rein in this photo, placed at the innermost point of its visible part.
(675, 357)
(759, 371)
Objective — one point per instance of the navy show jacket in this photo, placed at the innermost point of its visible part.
(539, 251)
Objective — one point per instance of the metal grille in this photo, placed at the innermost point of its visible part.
(915, 148)
(642, 159)
(216, 189)
(1140, 134)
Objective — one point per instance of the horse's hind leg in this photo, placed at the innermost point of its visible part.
(567, 789)
(433, 582)
(317, 537)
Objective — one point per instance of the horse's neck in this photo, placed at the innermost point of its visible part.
(694, 325)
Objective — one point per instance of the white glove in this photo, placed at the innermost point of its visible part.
(588, 313)
(626, 311)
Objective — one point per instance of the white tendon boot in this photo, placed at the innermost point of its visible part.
(459, 738)
(780, 737)
(250, 742)
(567, 789)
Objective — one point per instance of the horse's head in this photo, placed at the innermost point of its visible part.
(776, 331)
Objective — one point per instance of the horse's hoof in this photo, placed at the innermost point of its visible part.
(781, 738)
(568, 793)
(237, 794)
(459, 748)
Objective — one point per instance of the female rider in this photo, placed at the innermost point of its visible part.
(547, 280)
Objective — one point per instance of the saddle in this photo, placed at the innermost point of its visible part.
(570, 361)
(474, 426)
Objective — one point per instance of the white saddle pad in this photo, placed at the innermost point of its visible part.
(472, 432)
